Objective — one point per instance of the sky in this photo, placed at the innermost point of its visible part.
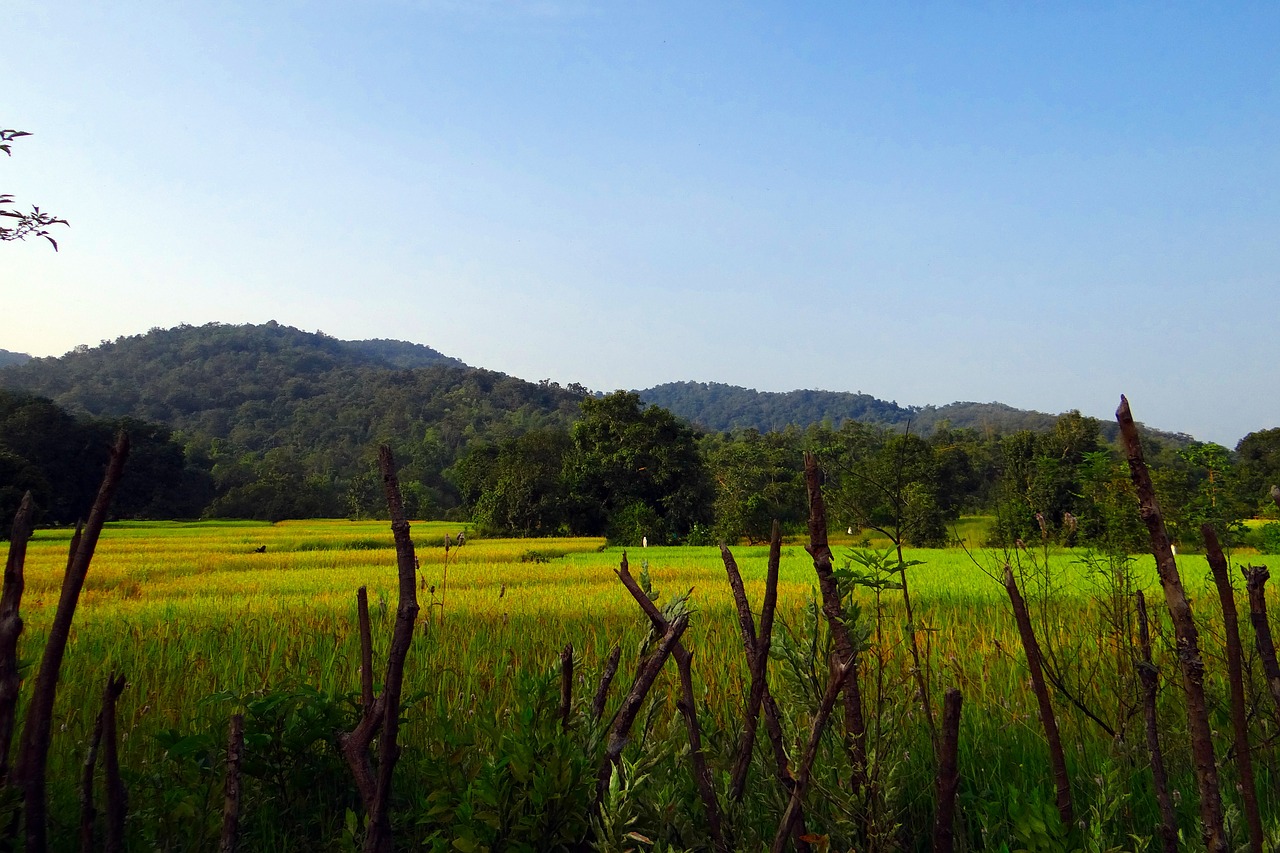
(1047, 205)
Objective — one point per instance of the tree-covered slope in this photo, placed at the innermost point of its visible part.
(7, 357)
(298, 410)
(719, 407)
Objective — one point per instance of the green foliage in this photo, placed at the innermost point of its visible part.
(1258, 469)
(1040, 479)
(524, 491)
(887, 482)
(299, 411)
(1266, 538)
(1036, 824)
(757, 479)
(1198, 486)
(60, 458)
(295, 788)
(636, 472)
(524, 784)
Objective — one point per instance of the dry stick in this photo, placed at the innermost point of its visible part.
(366, 650)
(1057, 759)
(687, 707)
(88, 813)
(606, 679)
(104, 728)
(33, 754)
(922, 683)
(948, 774)
(846, 653)
(757, 648)
(11, 627)
(566, 685)
(1150, 676)
(379, 840)
(1255, 582)
(1235, 677)
(231, 787)
(383, 715)
(620, 730)
(1192, 665)
(839, 680)
(117, 797)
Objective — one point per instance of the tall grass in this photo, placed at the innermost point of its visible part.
(190, 611)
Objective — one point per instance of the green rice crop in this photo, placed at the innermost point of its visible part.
(189, 611)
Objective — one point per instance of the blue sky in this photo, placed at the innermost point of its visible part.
(1046, 205)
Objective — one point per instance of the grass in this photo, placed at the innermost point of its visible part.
(192, 610)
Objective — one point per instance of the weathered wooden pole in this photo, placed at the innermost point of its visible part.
(1213, 833)
(846, 653)
(1235, 679)
(1057, 758)
(37, 728)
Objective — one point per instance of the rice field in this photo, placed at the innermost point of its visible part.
(189, 611)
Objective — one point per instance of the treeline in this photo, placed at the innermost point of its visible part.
(60, 458)
(270, 422)
(717, 407)
(628, 471)
(284, 421)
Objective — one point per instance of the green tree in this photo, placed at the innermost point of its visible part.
(887, 482)
(1039, 478)
(525, 493)
(1258, 469)
(628, 455)
(757, 478)
(1196, 487)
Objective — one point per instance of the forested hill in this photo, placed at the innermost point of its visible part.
(292, 417)
(7, 357)
(719, 407)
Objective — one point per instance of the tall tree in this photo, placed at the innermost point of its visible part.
(633, 465)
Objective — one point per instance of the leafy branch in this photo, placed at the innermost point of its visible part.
(24, 225)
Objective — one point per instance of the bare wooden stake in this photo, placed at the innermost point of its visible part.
(566, 685)
(606, 679)
(1212, 829)
(948, 774)
(88, 812)
(837, 683)
(231, 787)
(1255, 583)
(11, 627)
(757, 651)
(117, 796)
(833, 609)
(1150, 677)
(37, 729)
(1057, 760)
(620, 731)
(366, 649)
(1235, 678)
(687, 706)
(382, 718)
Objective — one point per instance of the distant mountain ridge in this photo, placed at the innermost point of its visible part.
(250, 383)
(271, 385)
(719, 407)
